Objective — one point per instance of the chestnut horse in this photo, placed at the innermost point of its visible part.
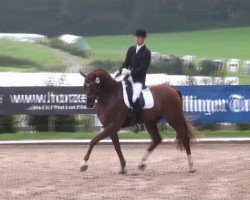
(106, 95)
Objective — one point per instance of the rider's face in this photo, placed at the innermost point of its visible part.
(139, 40)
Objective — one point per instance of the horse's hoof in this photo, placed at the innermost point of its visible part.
(192, 171)
(84, 168)
(142, 166)
(123, 171)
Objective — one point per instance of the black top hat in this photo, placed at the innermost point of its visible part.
(141, 33)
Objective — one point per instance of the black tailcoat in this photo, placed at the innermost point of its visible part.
(138, 63)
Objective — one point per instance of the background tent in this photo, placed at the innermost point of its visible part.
(23, 37)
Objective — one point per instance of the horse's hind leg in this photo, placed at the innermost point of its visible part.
(156, 140)
(115, 140)
(182, 136)
(186, 143)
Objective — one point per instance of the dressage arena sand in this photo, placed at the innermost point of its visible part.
(52, 172)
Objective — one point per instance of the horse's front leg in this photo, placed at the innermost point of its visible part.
(105, 133)
(115, 139)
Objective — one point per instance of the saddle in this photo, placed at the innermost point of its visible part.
(145, 98)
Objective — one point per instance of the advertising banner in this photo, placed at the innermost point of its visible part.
(43, 100)
(205, 104)
(210, 104)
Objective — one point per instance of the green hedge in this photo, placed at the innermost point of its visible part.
(208, 67)
(39, 123)
(207, 127)
(243, 126)
(86, 123)
(8, 124)
(172, 66)
(19, 62)
(108, 65)
(62, 123)
(58, 44)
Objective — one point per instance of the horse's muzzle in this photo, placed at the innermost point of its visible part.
(90, 102)
(90, 106)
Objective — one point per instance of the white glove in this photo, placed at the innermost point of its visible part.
(126, 72)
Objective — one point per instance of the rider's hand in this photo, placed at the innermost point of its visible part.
(117, 73)
(126, 72)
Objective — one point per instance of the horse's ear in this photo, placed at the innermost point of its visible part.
(84, 75)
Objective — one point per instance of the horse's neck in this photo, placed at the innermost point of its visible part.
(109, 88)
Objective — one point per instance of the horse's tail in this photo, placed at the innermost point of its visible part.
(188, 127)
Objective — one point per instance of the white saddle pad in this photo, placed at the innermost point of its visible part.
(147, 94)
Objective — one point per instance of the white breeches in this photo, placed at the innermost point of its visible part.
(137, 88)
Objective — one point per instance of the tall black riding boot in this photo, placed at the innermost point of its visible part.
(138, 111)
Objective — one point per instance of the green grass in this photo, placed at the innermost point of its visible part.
(15, 69)
(214, 44)
(234, 133)
(41, 57)
(244, 79)
(122, 135)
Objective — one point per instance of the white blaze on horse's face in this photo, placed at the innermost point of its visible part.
(97, 80)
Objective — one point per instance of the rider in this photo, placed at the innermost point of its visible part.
(136, 64)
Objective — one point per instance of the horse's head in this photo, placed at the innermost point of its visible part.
(91, 87)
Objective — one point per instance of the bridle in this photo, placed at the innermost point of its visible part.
(96, 84)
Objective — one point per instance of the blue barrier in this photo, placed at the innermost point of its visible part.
(215, 104)
(205, 104)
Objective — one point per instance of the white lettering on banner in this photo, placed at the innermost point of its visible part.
(28, 98)
(207, 106)
(49, 98)
(238, 103)
(66, 98)
(235, 103)
(1, 99)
